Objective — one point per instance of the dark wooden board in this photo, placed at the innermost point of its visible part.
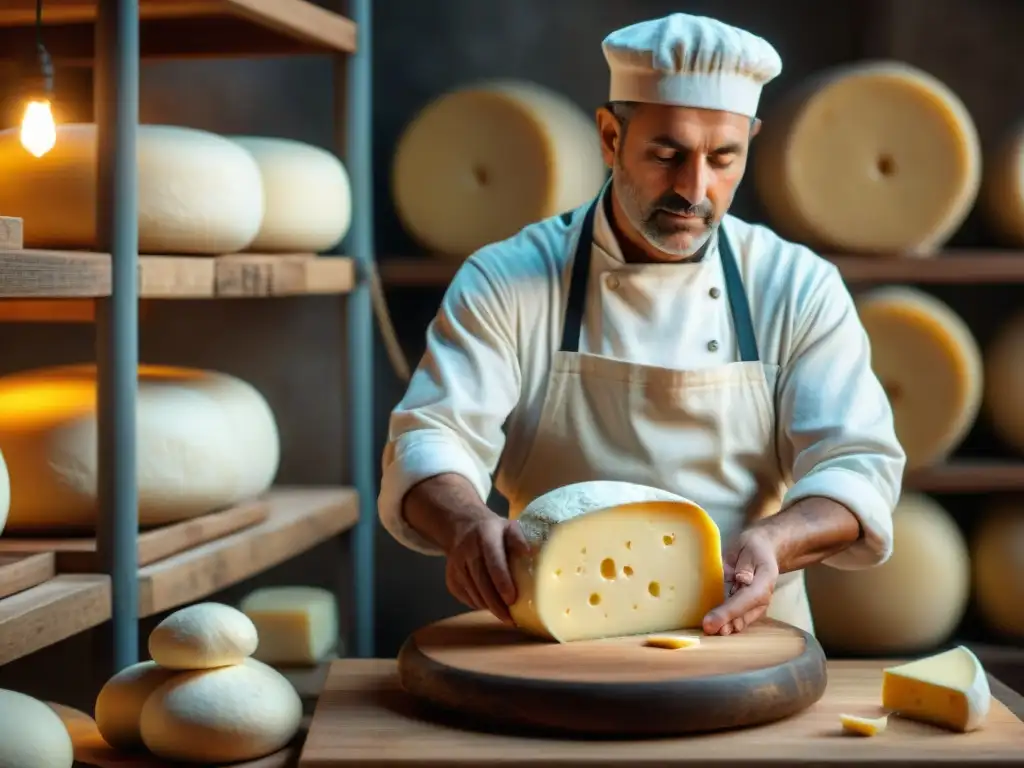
(617, 686)
(21, 572)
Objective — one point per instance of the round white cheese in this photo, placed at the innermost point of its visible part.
(120, 701)
(1002, 192)
(203, 636)
(307, 196)
(912, 602)
(5, 492)
(205, 441)
(221, 715)
(870, 157)
(31, 734)
(997, 552)
(478, 164)
(1004, 382)
(199, 193)
(930, 365)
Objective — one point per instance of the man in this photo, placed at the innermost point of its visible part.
(652, 338)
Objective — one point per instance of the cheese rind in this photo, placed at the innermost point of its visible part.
(611, 559)
(948, 689)
(479, 163)
(902, 143)
(863, 726)
(1004, 382)
(1002, 192)
(296, 625)
(119, 703)
(203, 636)
(930, 365)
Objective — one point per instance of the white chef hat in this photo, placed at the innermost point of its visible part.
(690, 61)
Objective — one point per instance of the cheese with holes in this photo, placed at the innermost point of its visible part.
(672, 642)
(205, 440)
(1004, 383)
(863, 726)
(612, 558)
(914, 600)
(478, 164)
(32, 735)
(948, 689)
(874, 156)
(203, 636)
(1002, 191)
(199, 193)
(997, 554)
(119, 703)
(930, 365)
(296, 625)
(307, 198)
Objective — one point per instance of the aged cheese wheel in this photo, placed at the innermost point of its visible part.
(912, 602)
(199, 193)
(31, 734)
(1004, 382)
(1002, 192)
(296, 625)
(875, 156)
(931, 368)
(221, 715)
(480, 163)
(997, 552)
(119, 704)
(203, 636)
(307, 197)
(205, 440)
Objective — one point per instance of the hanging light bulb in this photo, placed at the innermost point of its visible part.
(38, 128)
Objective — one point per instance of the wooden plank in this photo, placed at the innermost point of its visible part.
(299, 519)
(21, 572)
(51, 612)
(80, 555)
(968, 476)
(53, 274)
(254, 275)
(11, 234)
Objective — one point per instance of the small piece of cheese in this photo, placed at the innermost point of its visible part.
(1004, 382)
(296, 625)
(948, 689)
(611, 559)
(1002, 191)
(930, 365)
(672, 642)
(903, 143)
(864, 726)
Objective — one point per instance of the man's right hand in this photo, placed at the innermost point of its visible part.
(477, 572)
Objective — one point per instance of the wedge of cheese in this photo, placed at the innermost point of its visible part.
(611, 559)
(948, 689)
(297, 626)
(864, 726)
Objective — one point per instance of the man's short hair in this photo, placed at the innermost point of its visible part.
(623, 112)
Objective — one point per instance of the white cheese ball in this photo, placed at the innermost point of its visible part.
(203, 636)
(242, 712)
(31, 734)
(120, 701)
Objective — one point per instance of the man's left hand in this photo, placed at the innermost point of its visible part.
(751, 570)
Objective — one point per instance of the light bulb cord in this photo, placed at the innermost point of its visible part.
(44, 60)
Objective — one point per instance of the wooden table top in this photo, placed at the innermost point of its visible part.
(363, 718)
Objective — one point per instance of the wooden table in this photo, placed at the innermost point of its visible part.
(364, 719)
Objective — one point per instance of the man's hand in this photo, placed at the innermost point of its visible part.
(751, 570)
(477, 573)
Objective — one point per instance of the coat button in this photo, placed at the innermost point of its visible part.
(712, 346)
(715, 293)
(613, 282)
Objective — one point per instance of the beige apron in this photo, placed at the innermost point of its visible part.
(707, 435)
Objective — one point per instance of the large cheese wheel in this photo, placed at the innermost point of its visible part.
(241, 712)
(1002, 192)
(931, 368)
(203, 636)
(306, 192)
(205, 440)
(912, 602)
(480, 163)
(1004, 382)
(119, 703)
(31, 734)
(199, 193)
(875, 156)
(997, 552)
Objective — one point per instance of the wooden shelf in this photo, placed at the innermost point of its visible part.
(968, 476)
(37, 274)
(182, 29)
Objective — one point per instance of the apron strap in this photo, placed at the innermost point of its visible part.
(738, 303)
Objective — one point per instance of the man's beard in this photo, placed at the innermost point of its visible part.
(652, 227)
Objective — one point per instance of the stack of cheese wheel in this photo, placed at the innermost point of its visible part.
(202, 698)
(997, 553)
(931, 368)
(480, 163)
(871, 157)
(912, 602)
(1002, 193)
(32, 734)
(1004, 383)
(205, 441)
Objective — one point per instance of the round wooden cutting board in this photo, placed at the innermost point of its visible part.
(614, 687)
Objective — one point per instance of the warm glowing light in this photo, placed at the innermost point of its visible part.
(38, 129)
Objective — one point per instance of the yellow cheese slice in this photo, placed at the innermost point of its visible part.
(611, 559)
(931, 368)
(199, 193)
(1002, 192)
(948, 689)
(871, 157)
(914, 600)
(478, 164)
(672, 642)
(864, 726)
(1004, 382)
(997, 554)
(296, 625)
